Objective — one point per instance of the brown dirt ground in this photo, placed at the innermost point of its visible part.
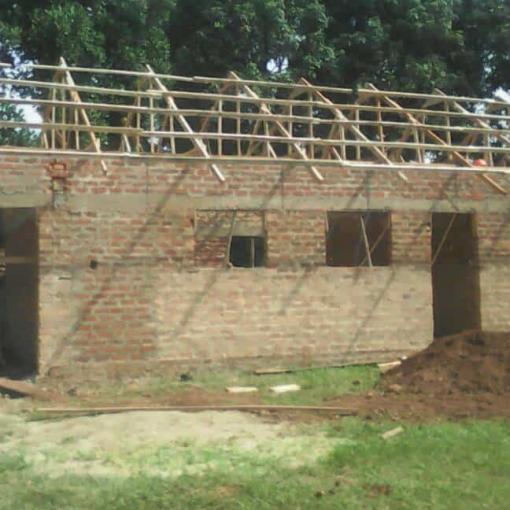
(461, 376)
(193, 396)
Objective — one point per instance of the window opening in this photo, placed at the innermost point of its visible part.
(247, 251)
(356, 238)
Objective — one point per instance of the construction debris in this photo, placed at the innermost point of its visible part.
(394, 388)
(392, 433)
(270, 371)
(285, 388)
(26, 389)
(386, 367)
(287, 370)
(339, 411)
(241, 389)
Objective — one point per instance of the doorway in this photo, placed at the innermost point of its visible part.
(18, 292)
(455, 273)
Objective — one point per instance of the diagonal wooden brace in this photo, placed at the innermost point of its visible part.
(457, 155)
(280, 127)
(199, 144)
(341, 117)
(75, 96)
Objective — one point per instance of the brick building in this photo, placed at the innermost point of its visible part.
(293, 231)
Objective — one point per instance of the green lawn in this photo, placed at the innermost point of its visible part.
(316, 385)
(343, 463)
(436, 466)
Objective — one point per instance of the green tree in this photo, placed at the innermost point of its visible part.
(461, 46)
(215, 36)
(485, 25)
(122, 34)
(114, 33)
(16, 137)
(403, 44)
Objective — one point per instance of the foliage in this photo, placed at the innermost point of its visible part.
(19, 137)
(215, 36)
(404, 44)
(459, 45)
(486, 29)
(97, 33)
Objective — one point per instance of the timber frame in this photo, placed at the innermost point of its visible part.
(231, 120)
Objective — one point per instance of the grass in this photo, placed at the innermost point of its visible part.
(316, 385)
(443, 465)
(436, 466)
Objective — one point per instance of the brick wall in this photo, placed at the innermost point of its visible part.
(132, 269)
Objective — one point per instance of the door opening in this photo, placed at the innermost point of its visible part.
(455, 273)
(18, 292)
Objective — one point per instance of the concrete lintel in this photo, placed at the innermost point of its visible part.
(137, 202)
(16, 200)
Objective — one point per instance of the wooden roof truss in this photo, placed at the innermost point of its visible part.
(226, 120)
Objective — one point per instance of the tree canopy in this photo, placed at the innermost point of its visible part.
(461, 46)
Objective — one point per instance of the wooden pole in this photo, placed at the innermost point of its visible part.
(365, 240)
(343, 411)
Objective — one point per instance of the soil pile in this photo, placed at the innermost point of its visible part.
(471, 362)
(461, 376)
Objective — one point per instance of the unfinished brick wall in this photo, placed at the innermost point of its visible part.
(296, 238)
(133, 273)
(494, 246)
(213, 228)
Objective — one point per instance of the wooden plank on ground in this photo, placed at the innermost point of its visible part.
(26, 389)
(288, 370)
(343, 411)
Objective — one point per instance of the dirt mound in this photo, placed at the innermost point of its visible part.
(461, 376)
(471, 362)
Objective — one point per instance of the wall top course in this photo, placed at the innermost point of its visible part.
(147, 184)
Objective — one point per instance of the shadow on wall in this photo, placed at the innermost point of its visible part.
(109, 281)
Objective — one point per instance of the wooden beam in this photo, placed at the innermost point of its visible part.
(431, 98)
(253, 116)
(365, 241)
(75, 96)
(339, 114)
(199, 145)
(379, 239)
(197, 408)
(281, 128)
(486, 127)
(443, 239)
(440, 141)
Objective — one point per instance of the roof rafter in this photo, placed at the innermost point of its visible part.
(224, 120)
(75, 96)
(457, 155)
(199, 144)
(301, 153)
(358, 134)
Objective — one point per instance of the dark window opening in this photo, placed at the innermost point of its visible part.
(247, 251)
(358, 239)
(455, 274)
